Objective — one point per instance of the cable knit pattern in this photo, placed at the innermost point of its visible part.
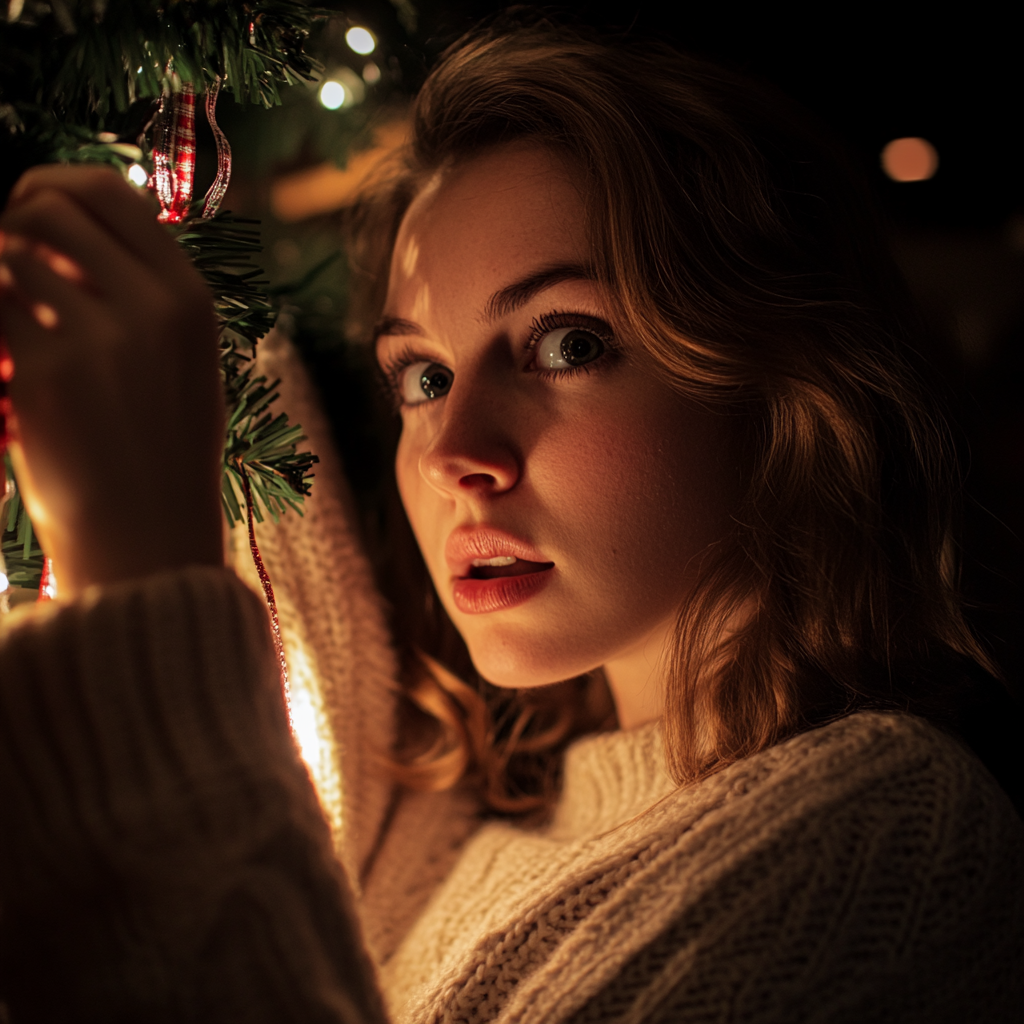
(820, 879)
(421, 846)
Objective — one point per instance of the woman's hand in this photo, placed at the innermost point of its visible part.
(118, 411)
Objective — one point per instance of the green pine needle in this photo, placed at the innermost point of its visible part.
(79, 82)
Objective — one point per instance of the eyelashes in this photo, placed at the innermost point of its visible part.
(567, 332)
(559, 319)
(576, 341)
(391, 370)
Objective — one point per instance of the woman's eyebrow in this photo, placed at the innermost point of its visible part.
(396, 327)
(504, 301)
(508, 299)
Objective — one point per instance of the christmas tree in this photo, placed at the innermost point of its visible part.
(118, 82)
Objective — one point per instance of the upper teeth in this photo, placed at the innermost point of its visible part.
(498, 560)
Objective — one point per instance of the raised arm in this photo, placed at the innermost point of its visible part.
(162, 852)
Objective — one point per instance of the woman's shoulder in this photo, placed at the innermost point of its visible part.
(870, 868)
(872, 752)
(883, 769)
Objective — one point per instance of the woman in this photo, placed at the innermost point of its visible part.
(658, 432)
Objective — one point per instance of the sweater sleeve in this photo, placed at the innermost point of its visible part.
(341, 667)
(162, 852)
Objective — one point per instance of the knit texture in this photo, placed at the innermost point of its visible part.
(162, 853)
(339, 655)
(164, 857)
(866, 869)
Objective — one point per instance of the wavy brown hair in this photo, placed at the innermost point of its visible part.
(749, 266)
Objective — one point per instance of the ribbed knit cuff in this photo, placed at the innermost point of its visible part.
(144, 716)
(162, 852)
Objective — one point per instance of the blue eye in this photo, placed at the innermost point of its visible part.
(568, 346)
(421, 381)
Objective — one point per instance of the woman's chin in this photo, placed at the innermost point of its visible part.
(510, 660)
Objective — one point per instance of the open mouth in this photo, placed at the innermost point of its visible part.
(500, 582)
(504, 565)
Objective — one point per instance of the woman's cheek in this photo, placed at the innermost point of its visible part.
(640, 487)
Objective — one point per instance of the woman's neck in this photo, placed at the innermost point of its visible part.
(636, 677)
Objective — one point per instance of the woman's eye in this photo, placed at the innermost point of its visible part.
(421, 381)
(568, 346)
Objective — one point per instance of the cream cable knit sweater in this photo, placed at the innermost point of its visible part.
(163, 855)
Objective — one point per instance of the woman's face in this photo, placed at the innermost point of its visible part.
(560, 491)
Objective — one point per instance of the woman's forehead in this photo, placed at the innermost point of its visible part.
(482, 224)
(505, 192)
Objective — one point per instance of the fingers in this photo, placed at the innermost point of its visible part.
(64, 228)
(128, 215)
(34, 295)
(18, 323)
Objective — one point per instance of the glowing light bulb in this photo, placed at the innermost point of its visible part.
(361, 40)
(333, 94)
(137, 175)
(910, 159)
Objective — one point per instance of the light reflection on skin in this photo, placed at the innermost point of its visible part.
(606, 470)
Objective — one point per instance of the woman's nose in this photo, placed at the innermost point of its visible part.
(474, 449)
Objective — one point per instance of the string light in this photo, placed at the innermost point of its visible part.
(344, 88)
(333, 94)
(137, 175)
(361, 40)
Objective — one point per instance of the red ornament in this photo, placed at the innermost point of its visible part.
(174, 154)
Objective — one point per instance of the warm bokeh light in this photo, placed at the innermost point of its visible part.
(361, 40)
(4, 583)
(333, 94)
(321, 189)
(137, 175)
(371, 73)
(910, 159)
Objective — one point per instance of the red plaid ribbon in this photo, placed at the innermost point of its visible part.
(174, 154)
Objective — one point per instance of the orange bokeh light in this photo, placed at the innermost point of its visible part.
(910, 159)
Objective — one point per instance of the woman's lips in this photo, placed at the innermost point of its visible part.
(476, 596)
(493, 569)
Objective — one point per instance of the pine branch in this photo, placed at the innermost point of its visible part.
(222, 249)
(79, 82)
(104, 56)
(23, 559)
(264, 448)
